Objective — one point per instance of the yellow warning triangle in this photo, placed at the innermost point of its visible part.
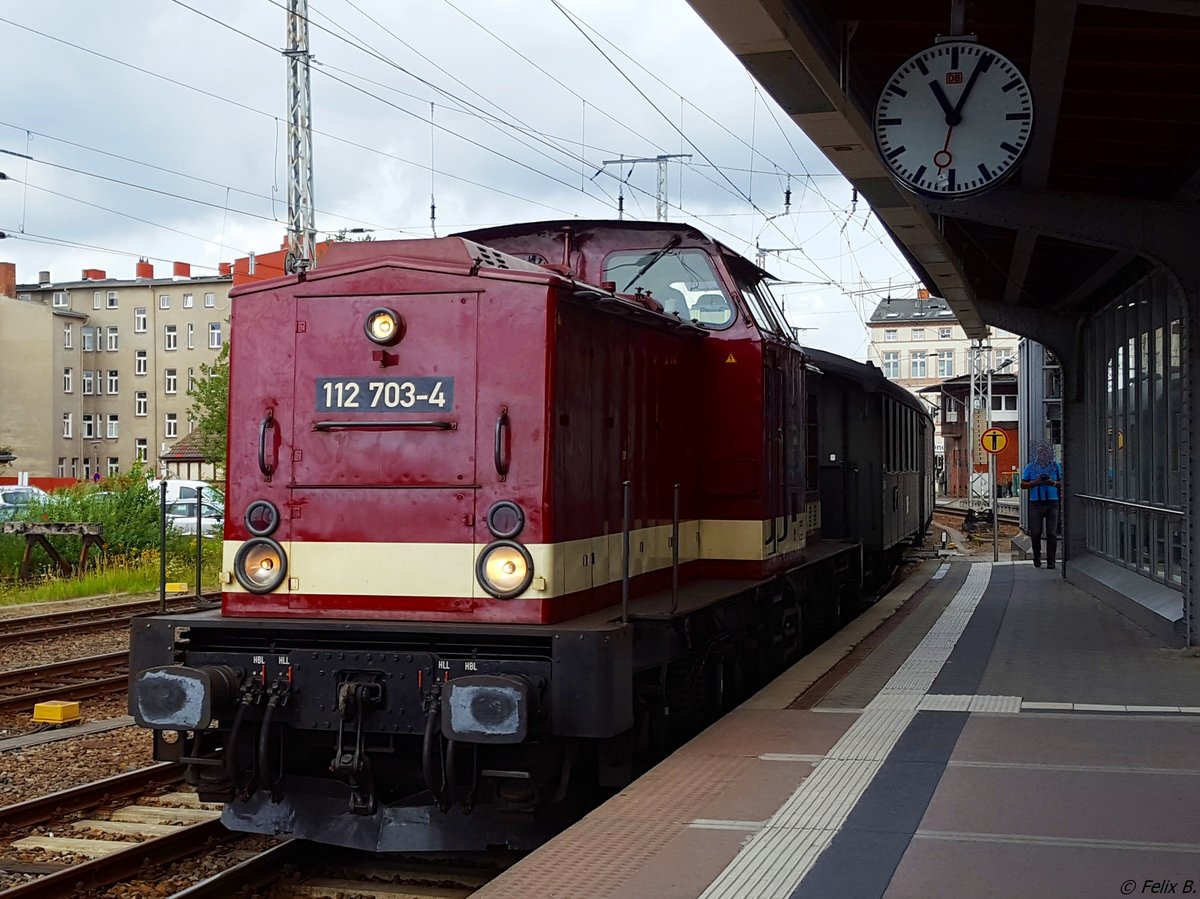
(730, 358)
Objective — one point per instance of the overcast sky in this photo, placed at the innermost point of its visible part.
(185, 156)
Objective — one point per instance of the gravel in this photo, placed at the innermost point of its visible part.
(39, 770)
(62, 648)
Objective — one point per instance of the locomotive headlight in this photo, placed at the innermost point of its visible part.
(504, 569)
(260, 565)
(384, 327)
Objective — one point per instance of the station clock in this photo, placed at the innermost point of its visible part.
(954, 120)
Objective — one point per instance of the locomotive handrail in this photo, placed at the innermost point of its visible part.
(501, 426)
(385, 425)
(267, 422)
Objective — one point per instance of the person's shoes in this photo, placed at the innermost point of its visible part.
(1050, 564)
(1037, 563)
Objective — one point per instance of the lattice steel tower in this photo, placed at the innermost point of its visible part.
(301, 233)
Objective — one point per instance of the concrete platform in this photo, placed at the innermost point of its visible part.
(1000, 733)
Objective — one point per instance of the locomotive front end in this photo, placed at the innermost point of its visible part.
(381, 674)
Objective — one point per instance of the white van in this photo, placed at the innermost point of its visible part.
(180, 489)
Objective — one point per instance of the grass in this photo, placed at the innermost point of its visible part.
(117, 575)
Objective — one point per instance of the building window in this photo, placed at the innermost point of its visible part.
(112, 299)
(171, 380)
(114, 465)
(210, 301)
(140, 362)
(164, 301)
(114, 381)
(945, 333)
(68, 380)
(171, 426)
(87, 469)
(916, 364)
(88, 389)
(114, 341)
(170, 338)
(89, 339)
(89, 427)
(139, 320)
(140, 449)
(1004, 356)
(946, 364)
(188, 302)
(214, 335)
(61, 299)
(891, 365)
(139, 403)
(891, 335)
(68, 336)
(113, 429)
(62, 466)
(191, 379)
(949, 408)
(918, 333)
(96, 295)
(191, 336)
(99, 383)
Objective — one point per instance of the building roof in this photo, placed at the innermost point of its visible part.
(896, 310)
(96, 283)
(191, 448)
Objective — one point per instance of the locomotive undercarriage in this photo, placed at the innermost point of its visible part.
(337, 730)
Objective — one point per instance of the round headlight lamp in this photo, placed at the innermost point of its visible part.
(505, 519)
(262, 518)
(384, 327)
(260, 565)
(504, 569)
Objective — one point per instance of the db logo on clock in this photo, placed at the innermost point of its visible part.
(954, 77)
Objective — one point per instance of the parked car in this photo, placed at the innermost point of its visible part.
(181, 489)
(14, 499)
(181, 517)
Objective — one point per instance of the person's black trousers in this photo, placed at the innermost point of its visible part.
(1043, 514)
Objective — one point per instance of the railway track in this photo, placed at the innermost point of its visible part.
(186, 829)
(22, 688)
(79, 621)
(1005, 517)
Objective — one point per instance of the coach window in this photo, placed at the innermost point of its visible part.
(683, 281)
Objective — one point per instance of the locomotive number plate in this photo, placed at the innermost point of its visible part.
(385, 394)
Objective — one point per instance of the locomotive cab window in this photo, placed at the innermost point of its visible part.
(683, 281)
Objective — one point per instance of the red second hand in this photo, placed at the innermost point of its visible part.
(945, 151)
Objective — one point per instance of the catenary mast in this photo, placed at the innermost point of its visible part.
(301, 233)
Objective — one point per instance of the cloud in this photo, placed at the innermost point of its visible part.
(505, 144)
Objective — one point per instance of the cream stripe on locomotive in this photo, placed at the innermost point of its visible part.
(448, 569)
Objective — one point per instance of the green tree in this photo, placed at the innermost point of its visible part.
(210, 406)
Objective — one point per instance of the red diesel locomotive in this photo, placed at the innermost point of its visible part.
(507, 514)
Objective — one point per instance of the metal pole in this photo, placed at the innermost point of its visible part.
(675, 555)
(162, 547)
(628, 492)
(301, 255)
(995, 517)
(199, 535)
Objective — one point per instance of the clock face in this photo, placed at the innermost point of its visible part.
(954, 120)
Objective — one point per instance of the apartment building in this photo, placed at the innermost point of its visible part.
(95, 372)
(918, 342)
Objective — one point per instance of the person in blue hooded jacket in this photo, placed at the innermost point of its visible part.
(1042, 477)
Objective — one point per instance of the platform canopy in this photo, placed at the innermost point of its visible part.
(1110, 176)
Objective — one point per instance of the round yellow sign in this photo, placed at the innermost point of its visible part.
(993, 440)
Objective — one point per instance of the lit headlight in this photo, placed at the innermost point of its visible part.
(485, 708)
(260, 565)
(384, 327)
(504, 569)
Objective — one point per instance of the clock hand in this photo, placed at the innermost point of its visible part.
(985, 63)
(943, 157)
(952, 117)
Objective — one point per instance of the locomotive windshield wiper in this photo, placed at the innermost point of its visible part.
(671, 244)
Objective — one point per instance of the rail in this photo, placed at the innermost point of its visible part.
(1143, 538)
